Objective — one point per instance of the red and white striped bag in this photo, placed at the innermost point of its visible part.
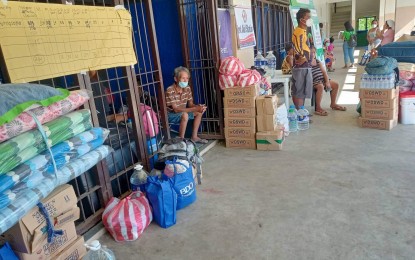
(126, 219)
(249, 77)
(226, 81)
(231, 66)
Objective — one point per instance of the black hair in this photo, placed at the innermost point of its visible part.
(288, 47)
(348, 26)
(374, 20)
(301, 13)
(331, 39)
(320, 25)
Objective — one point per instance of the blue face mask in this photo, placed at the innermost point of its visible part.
(183, 84)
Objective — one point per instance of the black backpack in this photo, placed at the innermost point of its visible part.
(352, 42)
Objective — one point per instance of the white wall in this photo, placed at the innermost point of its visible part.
(405, 17)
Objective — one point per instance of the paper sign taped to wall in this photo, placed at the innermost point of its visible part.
(41, 41)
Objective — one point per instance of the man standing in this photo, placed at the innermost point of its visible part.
(180, 106)
(302, 80)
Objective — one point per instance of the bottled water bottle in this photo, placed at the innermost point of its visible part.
(138, 179)
(98, 252)
(271, 64)
(292, 119)
(260, 61)
(303, 119)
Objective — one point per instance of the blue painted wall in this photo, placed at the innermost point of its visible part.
(166, 19)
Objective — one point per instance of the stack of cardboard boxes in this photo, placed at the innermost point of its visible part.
(379, 108)
(269, 136)
(28, 238)
(239, 110)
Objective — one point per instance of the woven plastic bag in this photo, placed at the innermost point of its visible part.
(249, 77)
(227, 81)
(126, 219)
(231, 66)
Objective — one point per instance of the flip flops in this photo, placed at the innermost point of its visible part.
(321, 113)
(201, 141)
(340, 108)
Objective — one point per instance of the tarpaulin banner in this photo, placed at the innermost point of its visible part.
(225, 33)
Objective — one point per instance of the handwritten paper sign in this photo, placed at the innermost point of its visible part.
(41, 41)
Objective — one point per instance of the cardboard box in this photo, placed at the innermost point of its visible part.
(249, 91)
(379, 103)
(76, 250)
(239, 102)
(48, 251)
(266, 105)
(246, 143)
(240, 132)
(270, 141)
(240, 122)
(378, 93)
(377, 123)
(266, 123)
(29, 232)
(240, 112)
(386, 114)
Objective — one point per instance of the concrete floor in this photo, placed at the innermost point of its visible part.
(336, 191)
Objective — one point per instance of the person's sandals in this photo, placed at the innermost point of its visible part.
(321, 113)
(201, 141)
(340, 108)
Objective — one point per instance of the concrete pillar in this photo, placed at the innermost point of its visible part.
(353, 20)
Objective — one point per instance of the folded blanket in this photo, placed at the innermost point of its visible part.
(62, 153)
(24, 122)
(25, 146)
(26, 199)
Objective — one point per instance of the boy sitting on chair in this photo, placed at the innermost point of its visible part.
(180, 106)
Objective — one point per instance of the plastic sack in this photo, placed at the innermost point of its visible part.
(382, 66)
(231, 66)
(127, 219)
(265, 84)
(249, 77)
(27, 145)
(24, 122)
(227, 81)
(150, 120)
(163, 200)
(183, 183)
(172, 168)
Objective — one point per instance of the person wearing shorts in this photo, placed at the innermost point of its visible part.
(180, 106)
(301, 81)
(322, 82)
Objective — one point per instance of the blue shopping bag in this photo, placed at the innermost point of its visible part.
(183, 183)
(163, 200)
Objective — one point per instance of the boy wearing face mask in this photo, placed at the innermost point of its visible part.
(180, 106)
(302, 81)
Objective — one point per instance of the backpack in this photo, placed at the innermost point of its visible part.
(150, 120)
(352, 42)
(178, 148)
(383, 65)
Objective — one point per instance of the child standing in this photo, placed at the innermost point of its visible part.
(330, 55)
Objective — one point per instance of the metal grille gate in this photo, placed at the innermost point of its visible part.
(113, 90)
(198, 27)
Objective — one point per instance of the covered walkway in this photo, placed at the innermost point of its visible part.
(336, 191)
